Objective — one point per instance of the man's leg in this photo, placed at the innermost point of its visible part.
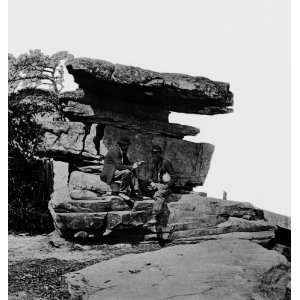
(134, 185)
(163, 191)
(125, 176)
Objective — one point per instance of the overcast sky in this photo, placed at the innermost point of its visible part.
(243, 42)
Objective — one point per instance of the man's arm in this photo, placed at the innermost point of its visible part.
(169, 168)
(116, 158)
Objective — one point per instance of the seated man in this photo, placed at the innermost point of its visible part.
(117, 167)
(162, 180)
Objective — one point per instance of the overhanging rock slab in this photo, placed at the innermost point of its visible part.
(168, 91)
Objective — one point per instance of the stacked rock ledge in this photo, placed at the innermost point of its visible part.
(115, 100)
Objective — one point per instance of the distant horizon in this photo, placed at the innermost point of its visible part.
(245, 44)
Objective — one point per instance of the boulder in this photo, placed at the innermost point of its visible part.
(84, 195)
(70, 223)
(170, 92)
(212, 270)
(90, 182)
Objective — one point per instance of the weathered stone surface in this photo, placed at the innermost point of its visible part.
(213, 270)
(190, 160)
(93, 169)
(144, 205)
(233, 225)
(118, 204)
(196, 236)
(276, 282)
(194, 206)
(99, 204)
(190, 219)
(73, 222)
(84, 181)
(125, 219)
(92, 206)
(60, 182)
(175, 92)
(84, 195)
(129, 122)
(67, 141)
(63, 137)
(278, 220)
(84, 146)
(201, 218)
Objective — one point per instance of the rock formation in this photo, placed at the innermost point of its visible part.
(117, 100)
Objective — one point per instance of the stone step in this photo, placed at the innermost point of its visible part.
(74, 222)
(99, 204)
(192, 216)
(193, 205)
(199, 220)
(143, 205)
(232, 225)
(82, 206)
(125, 219)
(260, 237)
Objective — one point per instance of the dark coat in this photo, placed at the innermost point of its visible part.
(162, 167)
(113, 162)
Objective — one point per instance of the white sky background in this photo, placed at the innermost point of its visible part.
(245, 43)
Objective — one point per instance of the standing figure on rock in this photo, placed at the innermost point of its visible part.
(117, 167)
(162, 180)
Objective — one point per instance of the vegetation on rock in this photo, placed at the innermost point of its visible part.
(35, 81)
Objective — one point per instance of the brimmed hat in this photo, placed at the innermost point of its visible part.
(124, 141)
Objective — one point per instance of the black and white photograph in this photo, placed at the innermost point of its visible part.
(149, 150)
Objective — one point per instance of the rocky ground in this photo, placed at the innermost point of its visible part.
(47, 267)
(37, 263)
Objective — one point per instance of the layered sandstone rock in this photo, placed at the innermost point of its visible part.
(82, 146)
(114, 101)
(175, 92)
(190, 219)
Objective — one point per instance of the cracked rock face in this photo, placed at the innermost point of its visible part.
(84, 147)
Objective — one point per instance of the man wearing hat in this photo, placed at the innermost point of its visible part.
(162, 180)
(117, 167)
